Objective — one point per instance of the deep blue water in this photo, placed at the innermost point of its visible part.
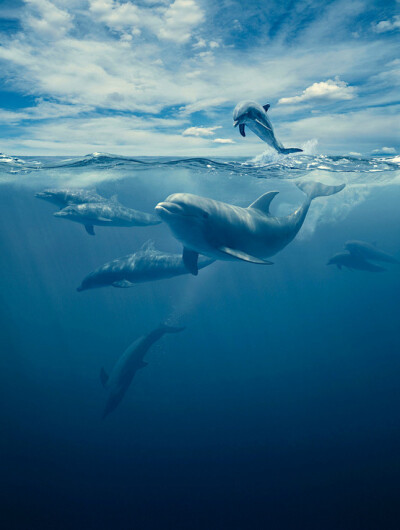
(277, 407)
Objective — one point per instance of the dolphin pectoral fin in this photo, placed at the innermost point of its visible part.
(263, 202)
(142, 365)
(190, 258)
(103, 377)
(123, 284)
(263, 125)
(90, 230)
(238, 254)
(241, 129)
(266, 107)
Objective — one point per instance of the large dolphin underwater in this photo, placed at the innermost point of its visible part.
(254, 116)
(120, 378)
(146, 265)
(353, 262)
(65, 196)
(226, 232)
(369, 251)
(109, 213)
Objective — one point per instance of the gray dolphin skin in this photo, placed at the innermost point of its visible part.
(107, 213)
(368, 251)
(65, 196)
(120, 378)
(146, 265)
(353, 262)
(254, 116)
(226, 232)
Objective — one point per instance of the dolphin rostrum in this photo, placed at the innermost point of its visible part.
(255, 117)
(120, 378)
(65, 196)
(108, 213)
(227, 232)
(146, 265)
(353, 262)
(368, 251)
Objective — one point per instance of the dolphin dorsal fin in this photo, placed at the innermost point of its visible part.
(263, 202)
(266, 107)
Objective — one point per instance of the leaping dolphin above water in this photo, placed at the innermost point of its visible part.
(255, 117)
(226, 232)
(146, 265)
(108, 213)
(120, 378)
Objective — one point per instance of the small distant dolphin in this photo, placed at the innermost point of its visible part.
(146, 265)
(353, 262)
(64, 197)
(120, 378)
(107, 213)
(255, 117)
(226, 232)
(368, 251)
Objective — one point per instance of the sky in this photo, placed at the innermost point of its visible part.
(162, 77)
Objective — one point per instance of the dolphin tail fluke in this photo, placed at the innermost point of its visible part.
(287, 151)
(316, 189)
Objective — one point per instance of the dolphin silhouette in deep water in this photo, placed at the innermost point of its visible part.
(254, 116)
(109, 213)
(368, 251)
(353, 262)
(65, 196)
(146, 265)
(226, 232)
(120, 378)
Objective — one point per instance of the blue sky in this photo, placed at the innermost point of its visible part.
(161, 77)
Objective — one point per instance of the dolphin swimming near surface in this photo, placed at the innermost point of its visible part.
(226, 232)
(65, 196)
(353, 262)
(120, 378)
(255, 117)
(107, 213)
(146, 265)
(368, 251)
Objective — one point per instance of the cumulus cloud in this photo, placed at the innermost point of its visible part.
(387, 25)
(330, 90)
(201, 131)
(179, 19)
(385, 150)
(223, 141)
(46, 19)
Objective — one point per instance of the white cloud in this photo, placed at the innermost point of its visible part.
(179, 20)
(387, 25)
(223, 141)
(330, 90)
(46, 19)
(201, 131)
(386, 150)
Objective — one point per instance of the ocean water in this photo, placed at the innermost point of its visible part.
(276, 408)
